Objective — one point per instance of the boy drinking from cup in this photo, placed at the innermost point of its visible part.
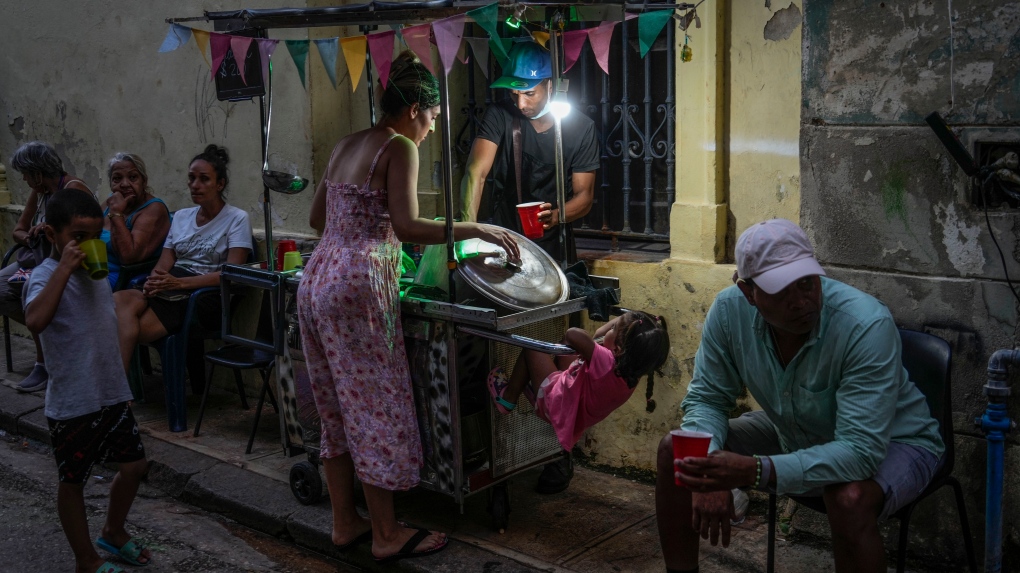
(87, 396)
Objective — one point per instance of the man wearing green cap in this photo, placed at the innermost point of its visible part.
(525, 118)
(527, 75)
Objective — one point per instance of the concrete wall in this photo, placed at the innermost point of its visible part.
(87, 78)
(890, 211)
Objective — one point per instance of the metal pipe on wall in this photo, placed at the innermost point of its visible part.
(995, 423)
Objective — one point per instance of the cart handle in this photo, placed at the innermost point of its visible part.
(518, 340)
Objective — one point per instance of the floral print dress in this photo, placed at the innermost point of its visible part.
(349, 312)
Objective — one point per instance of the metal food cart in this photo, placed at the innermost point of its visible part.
(467, 446)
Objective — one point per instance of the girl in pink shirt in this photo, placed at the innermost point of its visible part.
(601, 378)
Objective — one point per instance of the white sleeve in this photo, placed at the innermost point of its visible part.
(239, 234)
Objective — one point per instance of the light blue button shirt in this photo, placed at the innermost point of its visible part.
(836, 406)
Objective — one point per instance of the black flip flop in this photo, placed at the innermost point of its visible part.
(407, 551)
(366, 536)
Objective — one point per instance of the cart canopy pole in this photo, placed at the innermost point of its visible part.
(264, 117)
(444, 123)
(555, 34)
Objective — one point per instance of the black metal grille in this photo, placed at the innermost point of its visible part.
(635, 114)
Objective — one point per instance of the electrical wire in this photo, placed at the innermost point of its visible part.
(988, 221)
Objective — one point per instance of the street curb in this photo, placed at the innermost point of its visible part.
(15, 405)
(267, 505)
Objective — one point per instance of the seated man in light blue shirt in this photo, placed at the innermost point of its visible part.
(839, 418)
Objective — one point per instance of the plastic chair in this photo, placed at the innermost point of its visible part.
(7, 321)
(928, 360)
(174, 356)
(240, 357)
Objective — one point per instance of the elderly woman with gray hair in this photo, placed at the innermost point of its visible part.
(43, 171)
(136, 222)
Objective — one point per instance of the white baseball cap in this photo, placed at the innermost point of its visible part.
(774, 254)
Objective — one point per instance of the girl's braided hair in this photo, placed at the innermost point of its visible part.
(410, 83)
(642, 347)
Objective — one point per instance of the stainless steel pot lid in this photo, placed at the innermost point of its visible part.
(537, 281)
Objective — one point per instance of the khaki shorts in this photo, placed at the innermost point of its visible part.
(902, 475)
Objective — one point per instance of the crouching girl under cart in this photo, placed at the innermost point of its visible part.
(600, 379)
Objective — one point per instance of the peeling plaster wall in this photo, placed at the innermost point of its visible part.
(87, 78)
(889, 210)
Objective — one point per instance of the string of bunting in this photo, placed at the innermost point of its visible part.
(446, 34)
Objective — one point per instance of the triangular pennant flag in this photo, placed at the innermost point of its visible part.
(176, 37)
(380, 45)
(417, 38)
(266, 49)
(202, 40)
(448, 32)
(299, 53)
(541, 37)
(500, 48)
(573, 41)
(480, 48)
(600, 38)
(354, 53)
(487, 17)
(219, 44)
(239, 47)
(649, 25)
(397, 30)
(629, 17)
(327, 53)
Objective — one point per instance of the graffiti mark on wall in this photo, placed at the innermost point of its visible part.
(961, 241)
(210, 115)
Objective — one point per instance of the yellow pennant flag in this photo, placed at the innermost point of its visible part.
(541, 37)
(354, 53)
(202, 39)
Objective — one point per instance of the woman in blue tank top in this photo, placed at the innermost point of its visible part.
(134, 229)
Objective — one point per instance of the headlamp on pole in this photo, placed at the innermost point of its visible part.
(517, 18)
(560, 106)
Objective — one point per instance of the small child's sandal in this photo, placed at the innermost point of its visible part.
(497, 383)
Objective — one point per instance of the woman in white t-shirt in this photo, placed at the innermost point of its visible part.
(201, 240)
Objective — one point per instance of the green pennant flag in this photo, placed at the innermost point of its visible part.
(649, 26)
(487, 17)
(299, 52)
(500, 48)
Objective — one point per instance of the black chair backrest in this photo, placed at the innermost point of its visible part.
(928, 360)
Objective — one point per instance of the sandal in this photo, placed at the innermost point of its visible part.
(109, 568)
(407, 551)
(129, 552)
(497, 383)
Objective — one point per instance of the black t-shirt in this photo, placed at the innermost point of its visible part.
(538, 165)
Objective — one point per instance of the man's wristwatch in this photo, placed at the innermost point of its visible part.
(111, 215)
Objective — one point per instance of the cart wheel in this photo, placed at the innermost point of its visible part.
(499, 506)
(305, 483)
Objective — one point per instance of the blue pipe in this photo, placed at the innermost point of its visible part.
(995, 423)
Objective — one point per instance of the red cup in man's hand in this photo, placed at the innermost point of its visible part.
(529, 220)
(687, 444)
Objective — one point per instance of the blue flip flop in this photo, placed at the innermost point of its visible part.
(129, 552)
(109, 568)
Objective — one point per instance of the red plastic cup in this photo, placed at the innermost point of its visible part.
(529, 220)
(689, 445)
(282, 247)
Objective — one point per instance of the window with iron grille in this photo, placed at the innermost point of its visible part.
(634, 111)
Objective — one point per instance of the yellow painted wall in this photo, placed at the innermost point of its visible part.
(738, 125)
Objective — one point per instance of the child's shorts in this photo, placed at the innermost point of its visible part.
(540, 401)
(80, 443)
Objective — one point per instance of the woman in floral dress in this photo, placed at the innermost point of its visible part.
(348, 307)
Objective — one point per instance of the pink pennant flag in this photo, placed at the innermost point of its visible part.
(628, 16)
(380, 45)
(219, 44)
(266, 49)
(573, 41)
(417, 38)
(239, 46)
(600, 38)
(448, 32)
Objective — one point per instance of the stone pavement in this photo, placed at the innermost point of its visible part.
(602, 523)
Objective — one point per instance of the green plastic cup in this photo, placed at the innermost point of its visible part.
(95, 259)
